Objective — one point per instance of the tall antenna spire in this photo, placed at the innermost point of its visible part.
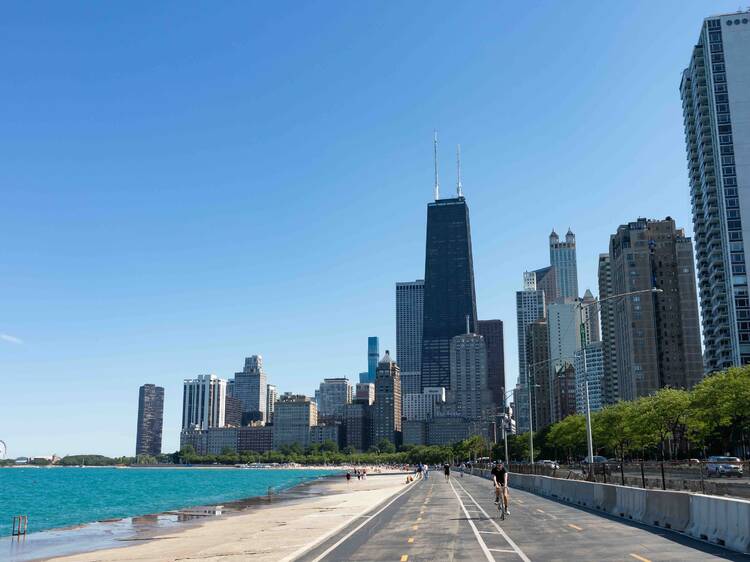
(459, 187)
(437, 182)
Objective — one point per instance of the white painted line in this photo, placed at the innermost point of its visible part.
(513, 545)
(474, 528)
(328, 535)
(502, 550)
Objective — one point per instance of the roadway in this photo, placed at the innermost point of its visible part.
(435, 520)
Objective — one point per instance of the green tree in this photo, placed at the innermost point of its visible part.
(569, 435)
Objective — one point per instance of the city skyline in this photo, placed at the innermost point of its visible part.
(176, 308)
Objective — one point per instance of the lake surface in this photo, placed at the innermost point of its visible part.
(62, 497)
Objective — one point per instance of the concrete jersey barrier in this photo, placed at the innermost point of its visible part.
(714, 519)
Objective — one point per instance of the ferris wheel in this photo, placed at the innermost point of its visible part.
(3, 449)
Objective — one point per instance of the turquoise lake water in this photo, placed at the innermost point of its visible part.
(59, 497)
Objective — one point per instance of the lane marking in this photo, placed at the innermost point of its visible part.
(415, 528)
(307, 548)
(482, 544)
(502, 550)
(641, 558)
(513, 545)
(404, 557)
(489, 532)
(540, 510)
(576, 527)
(419, 518)
(411, 540)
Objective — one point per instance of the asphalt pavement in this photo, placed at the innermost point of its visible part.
(457, 520)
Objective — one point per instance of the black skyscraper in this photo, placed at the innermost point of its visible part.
(150, 420)
(449, 294)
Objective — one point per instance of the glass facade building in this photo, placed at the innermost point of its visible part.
(449, 294)
(715, 91)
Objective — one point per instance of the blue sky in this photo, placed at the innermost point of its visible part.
(184, 184)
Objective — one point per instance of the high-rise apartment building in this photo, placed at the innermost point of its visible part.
(530, 307)
(610, 381)
(565, 338)
(562, 257)
(333, 395)
(150, 420)
(411, 382)
(409, 317)
(272, 394)
(203, 402)
(537, 359)
(365, 393)
(590, 317)
(546, 280)
(357, 423)
(469, 395)
(564, 391)
(232, 411)
(294, 415)
(492, 332)
(715, 90)
(449, 294)
(250, 388)
(656, 333)
(422, 406)
(386, 422)
(589, 368)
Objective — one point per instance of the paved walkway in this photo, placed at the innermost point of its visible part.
(436, 520)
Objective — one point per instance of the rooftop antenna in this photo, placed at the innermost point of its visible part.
(459, 187)
(437, 182)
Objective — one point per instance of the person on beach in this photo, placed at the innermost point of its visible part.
(447, 471)
(461, 469)
(426, 471)
(348, 477)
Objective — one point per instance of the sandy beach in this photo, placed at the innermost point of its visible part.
(271, 532)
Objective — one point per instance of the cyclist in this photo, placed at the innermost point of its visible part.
(500, 480)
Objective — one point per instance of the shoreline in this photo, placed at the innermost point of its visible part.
(264, 532)
(121, 532)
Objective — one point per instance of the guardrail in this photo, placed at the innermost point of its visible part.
(718, 520)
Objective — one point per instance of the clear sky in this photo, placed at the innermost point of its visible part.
(183, 184)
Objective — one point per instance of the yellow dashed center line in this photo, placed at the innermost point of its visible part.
(404, 557)
(411, 540)
(419, 518)
(415, 527)
(641, 558)
(576, 527)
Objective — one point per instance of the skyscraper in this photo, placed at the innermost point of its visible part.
(272, 394)
(449, 294)
(565, 338)
(537, 359)
(610, 384)
(492, 332)
(469, 395)
(530, 307)
(250, 388)
(333, 395)
(716, 109)
(150, 420)
(590, 317)
(657, 334)
(409, 316)
(386, 422)
(373, 352)
(203, 402)
(589, 367)
(546, 280)
(562, 257)
(294, 415)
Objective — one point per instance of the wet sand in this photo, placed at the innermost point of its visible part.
(254, 529)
